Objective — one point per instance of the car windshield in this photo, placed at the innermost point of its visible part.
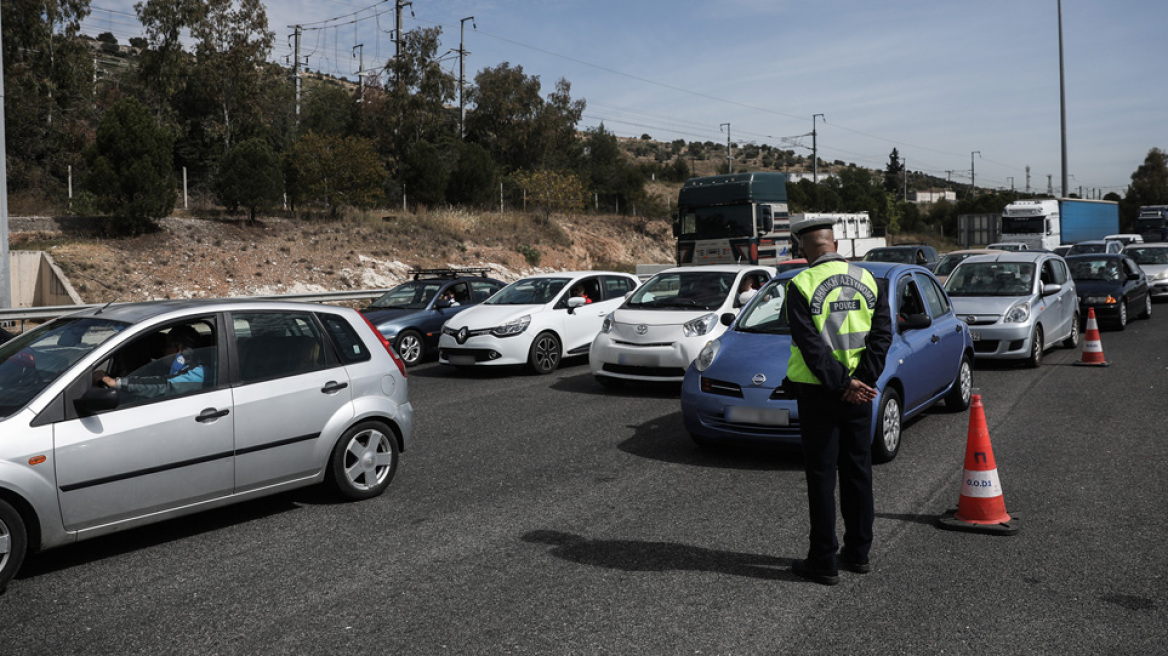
(1086, 248)
(1147, 254)
(717, 222)
(1095, 269)
(950, 262)
(991, 279)
(530, 291)
(901, 256)
(32, 361)
(765, 312)
(703, 290)
(409, 296)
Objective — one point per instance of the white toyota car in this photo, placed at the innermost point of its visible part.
(660, 329)
(536, 321)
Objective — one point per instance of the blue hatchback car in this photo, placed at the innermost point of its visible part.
(733, 390)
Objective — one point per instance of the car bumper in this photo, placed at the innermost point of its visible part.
(484, 350)
(711, 416)
(1105, 313)
(660, 362)
(1158, 289)
(1000, 341)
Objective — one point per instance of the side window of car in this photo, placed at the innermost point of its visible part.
(1060, 271)
(481, 290)
(909, 300)
(171, 361)
(1130, 266)
(348, 344)
(277, 344)
(1047, 275)
(617, 286)
(461, 293)
(938, 302)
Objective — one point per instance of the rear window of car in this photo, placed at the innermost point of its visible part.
(350, 348)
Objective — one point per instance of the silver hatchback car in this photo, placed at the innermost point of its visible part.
(126, 415)
(1017, 304)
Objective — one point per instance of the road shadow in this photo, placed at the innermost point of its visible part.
(641, 556)
(585, 383)
(171, 530)
(665, 439)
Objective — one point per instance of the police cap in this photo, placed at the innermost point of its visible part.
(814, 223)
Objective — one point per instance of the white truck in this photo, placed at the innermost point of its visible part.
(853, 231)
(1044, 224)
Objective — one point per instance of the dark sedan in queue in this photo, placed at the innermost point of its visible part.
(1113, 285)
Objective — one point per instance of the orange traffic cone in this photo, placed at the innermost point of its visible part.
(981, 507)
(1092, 346)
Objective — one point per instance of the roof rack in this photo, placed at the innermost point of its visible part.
(450, 273)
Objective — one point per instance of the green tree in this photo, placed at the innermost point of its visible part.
(415, 105)
(552, 191)
(425, 174)
(250, 176)
(473, 180)
(328, 109)
(334, 171)
(609, 171)
(893, 173)
(1149, 186)
(130, 172)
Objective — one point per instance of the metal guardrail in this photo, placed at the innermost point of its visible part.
(54, 311)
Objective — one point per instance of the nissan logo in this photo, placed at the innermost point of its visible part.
(642, 329)
(758, 379)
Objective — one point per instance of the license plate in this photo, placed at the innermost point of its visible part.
(639, 360)
(762, 416)
(461, 360)
(975, 336)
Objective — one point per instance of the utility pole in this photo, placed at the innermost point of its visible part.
(462, 53)
(972, 186)
(815, 149)
(1027, 179)
(5, 265)
(729, 157)
(296, 68)
(1011, 179)
(904, 165)
(359, 49)
(397, 41)
(1062, 96)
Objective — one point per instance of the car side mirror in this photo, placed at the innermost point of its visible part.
(727, 318)
(913, 322)
(96, 400)
(1133, 276)
(575, 302)
(441, 303)
(1051, 290)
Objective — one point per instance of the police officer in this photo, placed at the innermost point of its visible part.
(841, 330)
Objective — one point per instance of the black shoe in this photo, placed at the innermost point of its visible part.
(822, 576)
(857, 566)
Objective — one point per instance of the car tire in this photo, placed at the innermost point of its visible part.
(886, 438)
(610, 382)
(544, 355)
(410, 347)
(364, 461)
(1072, 340)
(1121, 322)
(1147, 313)
(1037, 347)
(959, 397)
(13, 543)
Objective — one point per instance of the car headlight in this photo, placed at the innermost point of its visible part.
(700, 326)
(1099, 300)
(1163, 275)
(513, 327)
(606, 327)
(1019, 313)
(708, 353)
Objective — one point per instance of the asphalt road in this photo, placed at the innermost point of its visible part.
(545, 515)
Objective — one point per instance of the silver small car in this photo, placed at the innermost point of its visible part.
(1016, 303)
(126, 415)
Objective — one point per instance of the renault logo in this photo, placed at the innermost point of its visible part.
(462, 333)
(758, 379)
(642, 329)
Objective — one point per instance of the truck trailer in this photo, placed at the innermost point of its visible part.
(1045, 224)
(853, 232)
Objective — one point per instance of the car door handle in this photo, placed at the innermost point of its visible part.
(333, 386)
(211, 414)
(957, 328)
(936, 338)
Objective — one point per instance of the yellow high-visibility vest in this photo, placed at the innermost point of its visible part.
(842, 297)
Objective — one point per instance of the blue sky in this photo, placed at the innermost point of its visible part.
(935, 79)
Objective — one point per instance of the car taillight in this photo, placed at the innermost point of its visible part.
(401, 366)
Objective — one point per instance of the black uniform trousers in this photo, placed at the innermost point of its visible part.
(837, 436)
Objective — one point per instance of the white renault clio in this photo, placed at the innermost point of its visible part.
(536, 321)
(661, 328)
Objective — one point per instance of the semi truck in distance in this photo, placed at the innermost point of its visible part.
(1045, 224)
(853, 232)
(1152, 223)
(733, 218)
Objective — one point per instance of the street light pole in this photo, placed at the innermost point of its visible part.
(972, 180)
(815, 149)
(1062, 97)
(729, 158)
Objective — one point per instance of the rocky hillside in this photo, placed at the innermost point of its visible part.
(215, 257)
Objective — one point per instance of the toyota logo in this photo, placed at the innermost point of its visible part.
(642, 329)
(462, 334)
(758, 379)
